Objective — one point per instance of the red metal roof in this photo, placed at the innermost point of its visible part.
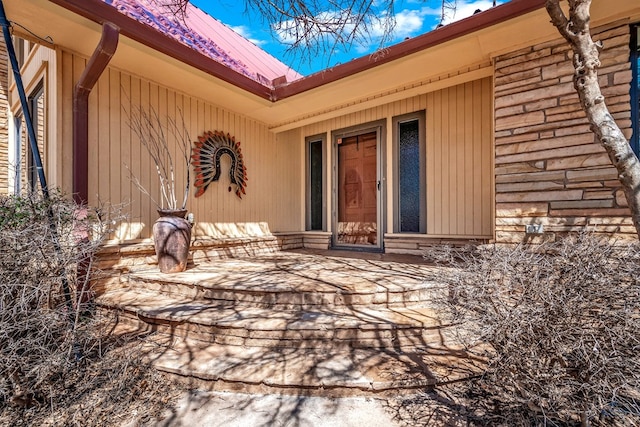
(210, 37)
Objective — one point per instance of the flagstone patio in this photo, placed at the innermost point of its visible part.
(303, 322)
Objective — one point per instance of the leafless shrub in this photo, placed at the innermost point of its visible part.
(39, 256)
(559, 323)
(52, 352)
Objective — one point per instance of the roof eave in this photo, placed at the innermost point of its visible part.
(100, 12)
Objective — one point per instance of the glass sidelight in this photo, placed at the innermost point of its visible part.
(409, 171)
(315, 204)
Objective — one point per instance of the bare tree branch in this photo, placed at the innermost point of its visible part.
(318, 28)
(312, 28)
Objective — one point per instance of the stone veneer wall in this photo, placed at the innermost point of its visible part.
(549, 169)
(4, 119)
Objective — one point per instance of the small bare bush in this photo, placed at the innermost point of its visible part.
(56, 362)
(40, 330)
(560, 324)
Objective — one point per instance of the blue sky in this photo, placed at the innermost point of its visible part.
(413, 17)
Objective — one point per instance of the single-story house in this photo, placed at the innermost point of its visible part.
(470, 132)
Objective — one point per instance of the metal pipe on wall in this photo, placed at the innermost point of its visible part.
(95, 67)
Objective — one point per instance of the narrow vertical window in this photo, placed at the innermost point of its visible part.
(23, 173)
(315, 184)
(410, 175)
(37, 107)
(15, 161)
(635, 87)
(19, 46)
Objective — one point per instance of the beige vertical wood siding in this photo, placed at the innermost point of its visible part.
(274, 178)
(459, 155)
(459, 160)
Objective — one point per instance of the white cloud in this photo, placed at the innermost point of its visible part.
(463, 9)
(411, 22)
(408, 22)
(246, 33)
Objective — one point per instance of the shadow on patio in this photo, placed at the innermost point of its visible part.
(299, 323)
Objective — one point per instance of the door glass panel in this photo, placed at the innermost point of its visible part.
(358, 190)
(409, 176)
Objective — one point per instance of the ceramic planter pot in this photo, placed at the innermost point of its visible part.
(171, 238)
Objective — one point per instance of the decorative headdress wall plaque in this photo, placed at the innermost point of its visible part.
(207, 151)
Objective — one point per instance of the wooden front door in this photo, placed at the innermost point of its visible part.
(357, 192)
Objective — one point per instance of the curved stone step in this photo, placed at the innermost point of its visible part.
(239, 324)
(356, 371)
(281, 284)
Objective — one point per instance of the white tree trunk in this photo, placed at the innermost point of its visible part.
(575, 29)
